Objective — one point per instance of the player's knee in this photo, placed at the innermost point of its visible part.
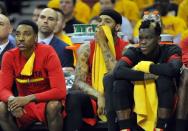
(3, 111)
(53, 107)
(164, 84)
(121, 86)
(73, 101)
(108, 81)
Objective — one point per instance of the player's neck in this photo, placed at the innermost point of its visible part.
(28, 53)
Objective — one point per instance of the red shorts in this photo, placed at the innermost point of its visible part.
(34, 112)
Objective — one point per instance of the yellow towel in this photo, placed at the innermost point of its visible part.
(99, 66)
(28, 71)
(146, 101)
(28, 67)
(27, 81)
(143, 66)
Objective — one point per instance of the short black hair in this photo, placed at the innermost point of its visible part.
(113, 14)
(94, 18)
(148, 24)
(30, 23)
(41, 6)
(113, 1)
(58, 10)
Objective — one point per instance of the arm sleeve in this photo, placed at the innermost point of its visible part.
(123, 69)
(172, 67)
(6, 77)
(56, 79)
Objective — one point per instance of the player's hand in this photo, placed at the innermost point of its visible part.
(100, 36)
(149, 76)
(101, 105)
(19, 112)
(18, 102)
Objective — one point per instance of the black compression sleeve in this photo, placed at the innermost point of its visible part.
(170, 69)
(124, 71)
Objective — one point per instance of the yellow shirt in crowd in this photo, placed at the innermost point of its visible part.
(183, 11)
(136, 29)
(82, 11)
(171, 25)
(126, 8)
(95, 10)
(65, 38)
(78, 11)
(54, 4)
(143, 3)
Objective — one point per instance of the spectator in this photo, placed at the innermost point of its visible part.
(59, 28)
(171, 24)
(68, 6)
(78, 11)
(126, 27)
(46, 23)
(61, 34)
(5, 30)
(37, 11)
(142, 4)
(167, 7)
(4, 12)
(124, 7)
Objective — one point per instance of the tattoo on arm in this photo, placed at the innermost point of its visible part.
(82, 71)
(86, 88)
(109, 59)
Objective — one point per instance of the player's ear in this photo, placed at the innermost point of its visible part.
(118, 27)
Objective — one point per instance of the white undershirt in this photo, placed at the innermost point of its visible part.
(46, 40)
(2, 47)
